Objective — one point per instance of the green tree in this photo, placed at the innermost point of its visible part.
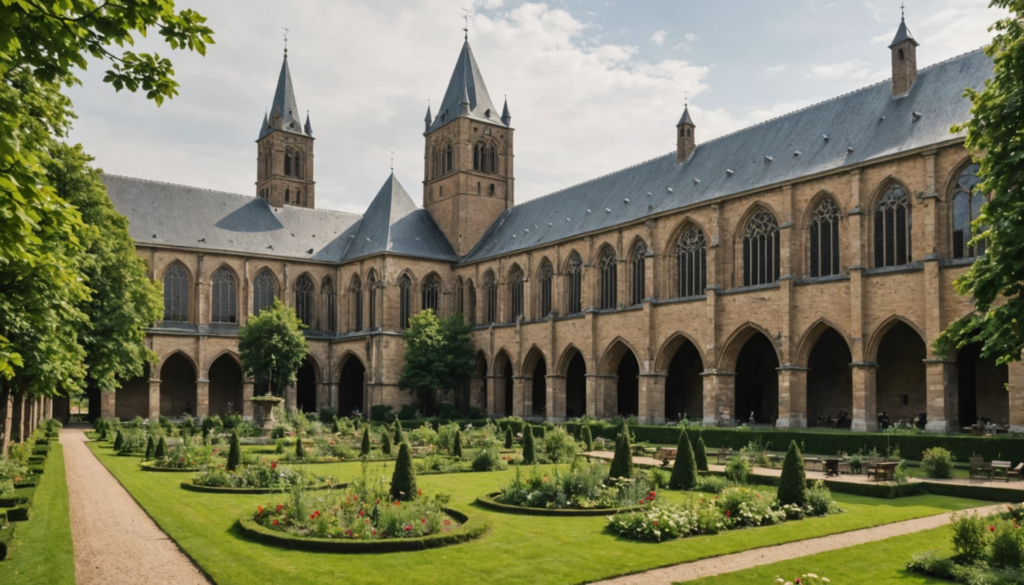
(300, 451)
(793, 483)
(118, 441)
(364, 447)
(509, 439)
(529, 449)
(403, 480)
(234, 452)
(684, 470)
(995, 280)
(399, 435)
(272, 346)
(622, 462)
(439, 356)
(386, 444)
(150, 447)
(700, 455)
(457, 445)
(161, 449)
(587, 437)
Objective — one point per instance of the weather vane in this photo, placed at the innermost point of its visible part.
(392, 161)
(285, 29)
(465, 28)
(686, 99)
(902, 14)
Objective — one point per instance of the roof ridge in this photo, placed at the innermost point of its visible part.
(208, 190)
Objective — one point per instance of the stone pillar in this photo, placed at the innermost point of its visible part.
(719, 398)
(291, 397)
(202, 398)
(494, 384)
(522, 396)
(792, 398)
(332, 397)
(652, 398)
(154, 399)
(1015, 371)
(865, 405)
(595, 402)
(108, 404)
(942, 395)
(247, 392)
(556, 398)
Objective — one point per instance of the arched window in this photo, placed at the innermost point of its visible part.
(404, 300)
(574, 284)
(432, 294)
(224, 301)
(288, 162)
(460, 297)
(546, 275)
(967, 202)
(477, 155)
(433, 161)
(761, 250)
(490, 297)
(892, 228)
(899, 55)
(304, 300)
(825, 239)
(330, 314)
(609, 279)
(356, 294)
(691, 263)
(371, 289)
(490, 191)
(493, 155)
(638, 274)
(262, 292)
(297, 161)
(471, 301)
(515, 294)
(448, 158)
(176, 289)
(287, 195)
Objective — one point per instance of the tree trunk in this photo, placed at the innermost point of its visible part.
(21, 418)
(6, 418)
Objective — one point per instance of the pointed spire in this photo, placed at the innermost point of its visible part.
(428, 119)
(686, 119)
(903, 34)
(284, 105)
(464, 102)
(465, 88)
(506, 118)
(308, 127)
(265, 127)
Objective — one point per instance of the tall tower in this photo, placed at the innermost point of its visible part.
(468, 178)
(284, 163)
(904, 60)
(686, 139)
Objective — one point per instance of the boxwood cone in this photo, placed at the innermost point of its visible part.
(399, 436)
(161, 449)
(793, 483)
(457, 445)
(529, 450)
(385, 443)
(364, 448)
(300, 451)
(508, 437)
(234, 452)
(622, 463)
(700, 455)
(150, 447)
(684, 470)
(118, 441)
(403, 481)
(587, 437)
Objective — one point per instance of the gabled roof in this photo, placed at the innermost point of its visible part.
(848, 130)
(284, 104)
(903, 34)
(466, 77)
(393, 223)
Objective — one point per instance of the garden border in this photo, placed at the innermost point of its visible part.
(148, 466)
(189, 486)
(488, 501)
(465, 533)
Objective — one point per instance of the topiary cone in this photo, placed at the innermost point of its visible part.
(399, 435)
(529, 450)
(161, 449)
(700, 455)
(364, 448)
(457, 445)
(234, 452)
(508, 437)
(118, 441)
(300, 451)
(587, 437)
(793, 483)
(403, 481)
(622, 463)
(684, 470)
(150, 447)
(385, 443)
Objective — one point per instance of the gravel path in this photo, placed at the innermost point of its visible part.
(785, 552)
(115, 541)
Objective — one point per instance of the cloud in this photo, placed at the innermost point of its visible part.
(776, 69)
(852, 69)
(658, 38)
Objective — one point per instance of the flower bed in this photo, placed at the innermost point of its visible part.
(152, 466)
(491, 502)
(194, 487)
(582, 487)
(985, 550)
(258, 476)
(183, 457)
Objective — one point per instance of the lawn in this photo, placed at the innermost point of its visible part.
(877, 563)
(520, 549)
(43, 551)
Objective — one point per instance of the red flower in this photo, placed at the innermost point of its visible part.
(361, 512)
(378, 500)
(280, 507)
(446, 522)
(419, 492)
(423, 520)
(408, 528)
(273, 464)
(728, 514)
(396, 502)
(992, 528)
(275, 522)
(375, 532)
(259, 510)
(655, 523)
(651, 494)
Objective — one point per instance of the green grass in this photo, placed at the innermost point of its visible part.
(43, 551)
(874, 563)
(520, 549)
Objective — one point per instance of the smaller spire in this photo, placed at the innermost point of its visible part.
(429, 118)
(903, 34)
(464, 103)
(506, 118)
(686, 119)
(309, 127)
(265, 127)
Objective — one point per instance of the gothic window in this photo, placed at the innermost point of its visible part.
(490, 297)
(356, 296)
(546, 276)
(761, 250)
(493, 155)
(460, 297)
(297, 161)
(224, 304)
(432, 294)
(609, 279)
(639, 273)
(262, 292)
(967, 202)
(892, 228)
(447, 158)
(515, 294)
(304, 300)
(825, 239)
(433, 162)
(477, 156)
(491, 191)
(330, 314)
(404, 301)
(574, 284)
(485, 157)
(288, 162)
(371, 288)
(176, 288)
(691, 263)
(287, 195)
(471, 301)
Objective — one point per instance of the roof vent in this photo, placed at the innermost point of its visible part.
(203, 240)
(588, 211)
(796, 153)
(824, 137)
(648, 193)
(608, 209)
(309, 251)
(882, 119)
(487, 113)
(696, 181)
(527, 230)
(849, 149)
(768, 159)
(670, 189)
(626, 200)
(729, 172)
(915, 116)
(567, 219)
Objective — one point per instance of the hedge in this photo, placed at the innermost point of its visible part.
(490, 502)
(188, 485)
(470, 529)
(149, 466)
(814, 442)
(6, 535)
(18, 513)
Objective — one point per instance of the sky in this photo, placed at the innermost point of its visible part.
(592, 86)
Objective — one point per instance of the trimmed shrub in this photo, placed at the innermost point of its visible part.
(737, 470)
(559, 446)
(622, 463)
(684, 470)
(161, 449)
(1007, 547)
(937, 462)
(793, 482)
(364, 447)
(234, 452)
(300, 451)
(150, 448)
(457, 445)
(399, 435)
(508, 438)
(969, 537)
(529, 450)
(587, 437)
(385, 442)
(700, 455)
(119, 441)
(403, 480)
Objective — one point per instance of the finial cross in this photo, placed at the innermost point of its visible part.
(285, 29)
(902, 13)
(392, 161)
(465, 27)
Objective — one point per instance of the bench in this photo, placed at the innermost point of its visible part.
(979, 468)
(723, 455)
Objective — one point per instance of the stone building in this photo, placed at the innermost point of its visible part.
(785, 273)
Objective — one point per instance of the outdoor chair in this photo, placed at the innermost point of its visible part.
(723, 455)
(1017, 472)
(979, 468)
(1001, 467)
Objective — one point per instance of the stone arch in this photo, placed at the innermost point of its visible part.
(191, 360)
(871, 347)
(735, 342)
(178, 262)
(880, 188)
(681, 360)
(307, 384)
(178, 385)
(752, 354)
(950, 183)
(225, 388)
(573, 366)
(351, 384)
(131, 399)
(535, 365)
(829, 375)
(684, 224)
(981, 394)
(901, 388)
(612, 354)
(671, 345)
(504, 375)
(621, 362)
(810, 337)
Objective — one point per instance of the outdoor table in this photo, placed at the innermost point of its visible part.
(885, 471)
(832, 467)
(1000, 466)
(811, 463)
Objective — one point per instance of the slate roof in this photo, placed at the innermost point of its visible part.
(903, 34)
(284, 105)
(466, 77)
(190, 217)
(685, 118)
(860, 126)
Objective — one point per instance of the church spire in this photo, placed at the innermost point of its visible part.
(428, 119)
(466, 84)
(506, 118)
(284, 112)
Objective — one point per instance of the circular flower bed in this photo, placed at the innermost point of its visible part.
(183, 457)
(493, 502)
(257, 477)
(585, 490)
